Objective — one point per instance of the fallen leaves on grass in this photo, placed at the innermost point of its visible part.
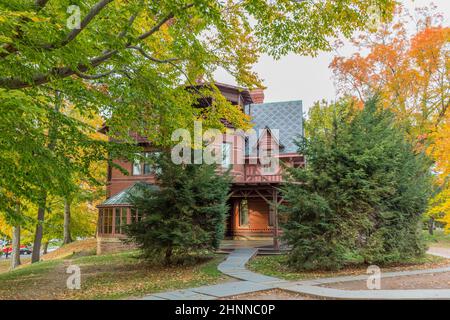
(113, 276)
(136, 278)
(87, 246)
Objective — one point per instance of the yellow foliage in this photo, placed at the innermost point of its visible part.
(5, 228)
(440, 151)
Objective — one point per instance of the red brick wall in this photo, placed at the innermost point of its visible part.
(257, 95)
(120, 181)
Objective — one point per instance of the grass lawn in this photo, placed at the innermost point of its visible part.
(438, 239)
(277, 266)
(123, 276)
(113, 276)
(6, 263)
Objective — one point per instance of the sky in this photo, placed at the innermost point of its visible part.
(309, 79)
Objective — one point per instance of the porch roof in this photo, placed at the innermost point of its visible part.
(123, 197)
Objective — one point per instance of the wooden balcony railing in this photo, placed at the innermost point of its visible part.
(254, 174)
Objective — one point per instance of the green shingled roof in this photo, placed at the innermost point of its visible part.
(123, 197)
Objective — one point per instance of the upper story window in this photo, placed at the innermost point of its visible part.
(226, 154)
(137, 166)
(269, 162)
(149, 165)
(144, 163)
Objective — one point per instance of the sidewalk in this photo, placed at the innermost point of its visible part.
(440, 252)
(234, 266)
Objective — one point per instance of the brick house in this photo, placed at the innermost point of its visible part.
(254, 190)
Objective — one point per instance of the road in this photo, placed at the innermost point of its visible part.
(3, 257)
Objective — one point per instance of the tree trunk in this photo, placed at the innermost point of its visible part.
(15, 257)
(36, 255)
(168, 255)
(67, 236)
(45, 247)
(15, 254)
(431, 226)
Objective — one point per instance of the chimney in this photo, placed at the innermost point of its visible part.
(257, 95)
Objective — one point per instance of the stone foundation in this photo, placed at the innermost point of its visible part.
(111, 245)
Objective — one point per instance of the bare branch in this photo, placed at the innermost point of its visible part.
(62, 72)
(95, 10)
(143, 53)
(93, 76)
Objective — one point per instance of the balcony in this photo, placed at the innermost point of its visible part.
(255, 174)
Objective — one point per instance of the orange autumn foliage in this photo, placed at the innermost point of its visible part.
(409, 71)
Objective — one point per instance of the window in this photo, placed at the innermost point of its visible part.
(110, 220)
(109, 215)
(149, 166)
(106, 217)
(117, 221)
(137, 168)
(136, 215)
(226, 154)
(100, 221)
(243, 213)
(270, 165)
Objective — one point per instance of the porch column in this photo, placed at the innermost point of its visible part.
(276, 243)
(234, 218)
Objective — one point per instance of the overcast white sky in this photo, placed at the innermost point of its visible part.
(296, 77)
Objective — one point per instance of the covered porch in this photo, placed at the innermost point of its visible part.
(253, 218)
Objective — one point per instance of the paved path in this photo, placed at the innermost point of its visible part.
(234, 266)
(363, 277)
(441, 252)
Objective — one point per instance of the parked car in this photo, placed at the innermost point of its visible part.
(23, 250)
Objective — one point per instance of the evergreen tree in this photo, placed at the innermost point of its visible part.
(362, 193)
(185, 214)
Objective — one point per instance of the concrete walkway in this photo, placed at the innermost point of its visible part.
(234, 266)
(440, 252)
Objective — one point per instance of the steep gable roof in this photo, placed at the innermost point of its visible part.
(287, 117)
